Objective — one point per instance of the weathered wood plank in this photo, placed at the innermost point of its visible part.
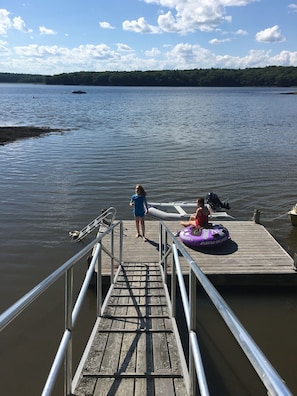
(131, 351)
(109, 363)
(139, 304)
(251, 250)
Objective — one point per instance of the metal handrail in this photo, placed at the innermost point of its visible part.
(106, 218)
(65, 348)
(267, 374)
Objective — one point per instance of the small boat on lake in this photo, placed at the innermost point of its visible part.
(79, 91)
(181, 211)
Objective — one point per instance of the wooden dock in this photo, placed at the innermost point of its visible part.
(251, 257)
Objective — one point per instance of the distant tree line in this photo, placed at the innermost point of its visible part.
(22, 78)
(270, 76)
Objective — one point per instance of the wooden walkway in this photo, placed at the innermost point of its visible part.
(134, 348)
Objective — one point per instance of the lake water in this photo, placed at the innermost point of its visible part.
(179, 143)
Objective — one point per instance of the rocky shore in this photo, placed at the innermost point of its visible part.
(12, 133)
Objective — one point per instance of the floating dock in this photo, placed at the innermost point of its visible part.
(251, 257)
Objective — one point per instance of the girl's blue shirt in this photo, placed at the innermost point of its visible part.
(139, 207)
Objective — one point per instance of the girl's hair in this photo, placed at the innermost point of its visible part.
(140, 190)
(201, 201)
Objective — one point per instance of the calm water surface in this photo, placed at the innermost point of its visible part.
(179, 143)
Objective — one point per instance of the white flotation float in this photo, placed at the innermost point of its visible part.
(214, 234)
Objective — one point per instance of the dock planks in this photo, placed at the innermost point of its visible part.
(251, 257)
(135, 349)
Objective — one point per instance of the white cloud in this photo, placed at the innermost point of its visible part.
(259, 59)
(182, 17)
(3, 48)
(81, 53)
(101, 57)
(99, 51)
(218, 41)
(19, 24)
(189, 56)
(192, 16)
(177, 17)
(105, 25)
(124, 47)
(285, 58)
(186, 16)
(237, 3)
(293, 7)
(152, 53)
(7, 23)
(270, 35)
(241, 32)
(44, 30)
(140, 26)
(34, 50)
(174, 3)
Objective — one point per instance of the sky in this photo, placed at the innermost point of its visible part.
(60, 36)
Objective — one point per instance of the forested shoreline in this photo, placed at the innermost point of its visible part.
(270, 76)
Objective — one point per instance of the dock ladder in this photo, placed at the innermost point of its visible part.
(105, 219)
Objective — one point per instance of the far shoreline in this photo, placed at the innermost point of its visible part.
(10, 134)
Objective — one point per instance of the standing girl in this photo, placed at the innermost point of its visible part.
(140, 209)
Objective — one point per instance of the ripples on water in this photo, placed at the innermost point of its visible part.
(178, 142)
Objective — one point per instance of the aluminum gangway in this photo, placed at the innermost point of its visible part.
(147, 307)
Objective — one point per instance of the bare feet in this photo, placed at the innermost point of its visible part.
(144, 239)
(137, 235)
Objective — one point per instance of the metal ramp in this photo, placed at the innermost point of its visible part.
(105, 219)
(136, 349)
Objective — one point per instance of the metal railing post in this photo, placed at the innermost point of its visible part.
(173, 287)
(112, 256)
(64, 351)
(68, 325)
(165, 257)
(160, 242)
(99, 282)
(193, 318)
(121, 243)
(266, 373)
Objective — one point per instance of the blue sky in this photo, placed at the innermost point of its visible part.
(61, 36)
